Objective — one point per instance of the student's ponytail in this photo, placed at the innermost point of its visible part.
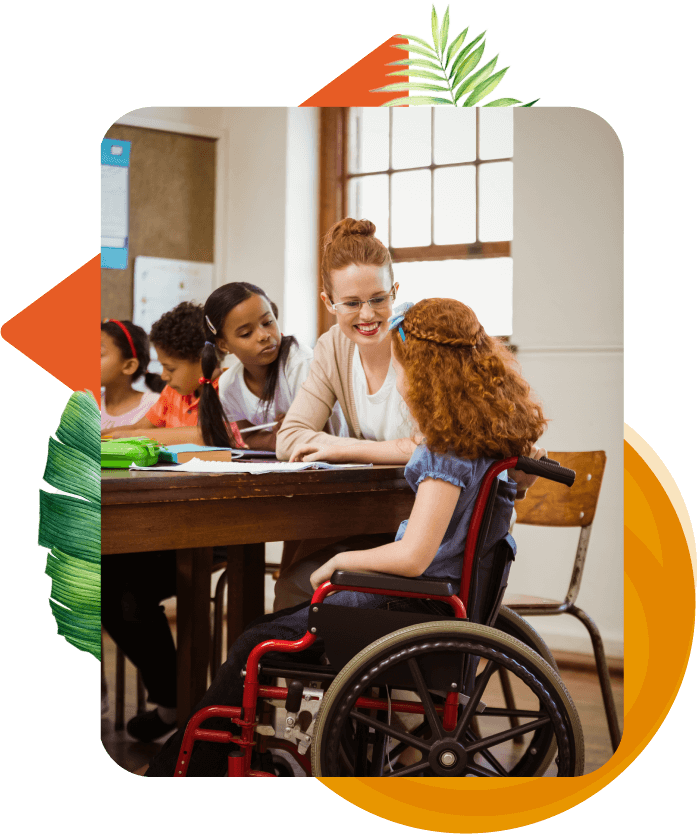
(215, 428)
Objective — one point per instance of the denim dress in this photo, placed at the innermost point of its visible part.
(210, 759)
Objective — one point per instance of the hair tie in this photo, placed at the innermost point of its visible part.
(209, 343)
(398, 317)
(210, 326)
(127, 334)
(204, 381)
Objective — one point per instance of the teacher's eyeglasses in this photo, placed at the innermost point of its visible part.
(378, 303)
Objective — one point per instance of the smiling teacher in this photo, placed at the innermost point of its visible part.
(351, 366)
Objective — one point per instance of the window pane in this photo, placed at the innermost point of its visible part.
(411, 136)
(410, 209)
(368, 139)
(496, 132)
(368, 199)
(454, 205)
(484, 284)
(496, 201)
(454, 135)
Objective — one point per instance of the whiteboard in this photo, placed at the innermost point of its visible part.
(159, 284)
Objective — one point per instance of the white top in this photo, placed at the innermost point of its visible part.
(383, 415)
(239, 403)
(112, 421)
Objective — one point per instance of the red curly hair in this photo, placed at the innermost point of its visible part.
(464, 388)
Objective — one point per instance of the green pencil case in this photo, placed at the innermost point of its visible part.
(121, 453)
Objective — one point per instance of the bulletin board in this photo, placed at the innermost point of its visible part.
(171, 206)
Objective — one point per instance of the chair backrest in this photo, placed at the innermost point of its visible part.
(554, 505)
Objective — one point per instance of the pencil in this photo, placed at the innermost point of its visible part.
(257, 428)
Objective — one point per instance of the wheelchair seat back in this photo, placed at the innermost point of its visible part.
(346, 631)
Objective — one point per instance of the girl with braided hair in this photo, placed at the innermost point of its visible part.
(470, 406)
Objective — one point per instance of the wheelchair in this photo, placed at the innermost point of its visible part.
(405, 693)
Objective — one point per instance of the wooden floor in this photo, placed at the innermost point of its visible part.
(582, 685)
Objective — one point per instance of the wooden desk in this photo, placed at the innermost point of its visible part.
(192, 513)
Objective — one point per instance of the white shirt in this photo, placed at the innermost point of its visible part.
(383, 415)
(239, 403)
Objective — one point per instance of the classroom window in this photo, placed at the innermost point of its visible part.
(438, 184)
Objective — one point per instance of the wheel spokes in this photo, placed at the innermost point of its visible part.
(470, 707)
(393, 732)
(485, 753)
(505, 735)
(476, 770)
(427, 703)
(410, 770)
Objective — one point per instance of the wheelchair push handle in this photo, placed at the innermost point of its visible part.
(546, 468)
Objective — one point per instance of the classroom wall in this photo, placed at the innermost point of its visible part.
(568, 326)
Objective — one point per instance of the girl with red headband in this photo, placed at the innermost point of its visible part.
(124, 359)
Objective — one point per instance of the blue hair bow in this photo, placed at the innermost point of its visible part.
(398, 317)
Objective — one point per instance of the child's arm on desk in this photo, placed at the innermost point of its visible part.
(432, 511)
(144, 428)
(264, 440)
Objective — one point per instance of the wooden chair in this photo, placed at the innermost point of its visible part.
(548, 504)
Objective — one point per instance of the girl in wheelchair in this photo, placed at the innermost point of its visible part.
(470, 407)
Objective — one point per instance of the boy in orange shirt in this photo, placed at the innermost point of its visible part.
(178, 337)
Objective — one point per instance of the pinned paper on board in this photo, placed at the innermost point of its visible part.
(115, 161)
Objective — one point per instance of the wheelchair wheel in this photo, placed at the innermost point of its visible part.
(356, 740)
(541, 745)
(513, 624)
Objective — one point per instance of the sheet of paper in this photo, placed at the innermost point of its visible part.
(218, 466)
(114, 206)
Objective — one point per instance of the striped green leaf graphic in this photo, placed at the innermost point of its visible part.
(69, 525)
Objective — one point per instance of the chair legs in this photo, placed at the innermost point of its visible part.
(602, 670)
(120, 689)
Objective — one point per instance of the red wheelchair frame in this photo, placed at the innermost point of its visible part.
(240, 762)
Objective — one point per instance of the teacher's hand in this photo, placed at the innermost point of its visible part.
(306, 452)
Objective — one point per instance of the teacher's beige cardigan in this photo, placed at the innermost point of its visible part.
(329, 380)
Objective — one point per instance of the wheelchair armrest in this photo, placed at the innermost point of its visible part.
(389, 582)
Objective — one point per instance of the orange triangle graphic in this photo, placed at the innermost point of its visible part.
(65, 317)
(353, 87)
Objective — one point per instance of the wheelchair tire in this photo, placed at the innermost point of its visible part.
(514, 624)
(541, 747)
(445, 753)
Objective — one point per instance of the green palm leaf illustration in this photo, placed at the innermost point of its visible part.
(455, 45)
(471, 81)
(469, 64)
(69, 525)
(453, 66)
(485, 88)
